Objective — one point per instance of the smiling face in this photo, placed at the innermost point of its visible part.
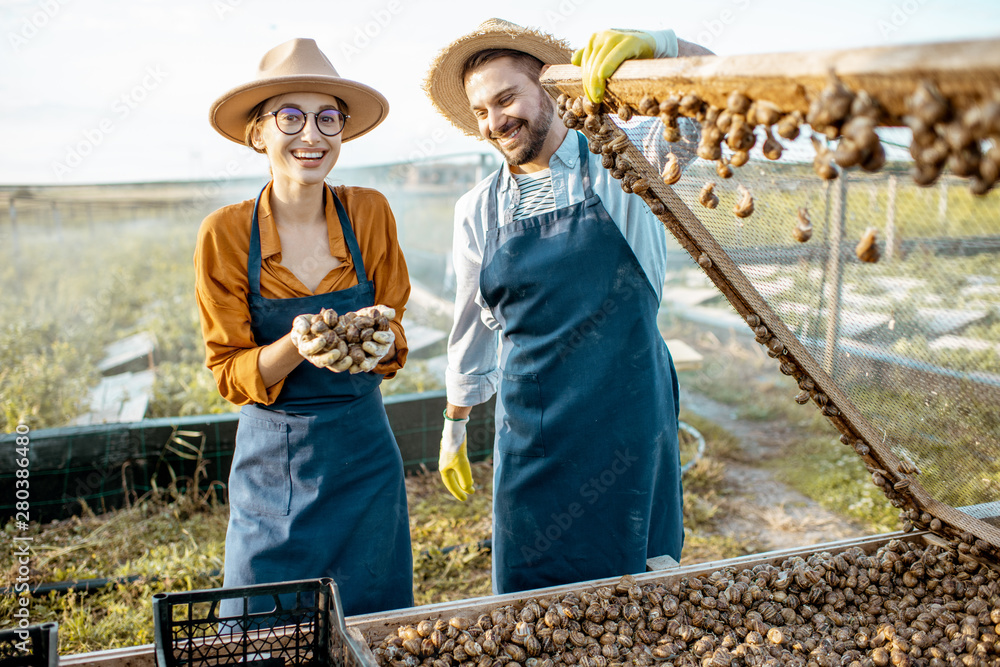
(305, 158)
(514, 113)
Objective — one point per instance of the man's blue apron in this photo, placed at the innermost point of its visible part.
(587, 470)
(316, 488)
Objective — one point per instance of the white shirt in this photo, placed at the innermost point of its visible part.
(473, 360)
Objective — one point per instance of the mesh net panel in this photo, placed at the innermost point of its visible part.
(913, 339)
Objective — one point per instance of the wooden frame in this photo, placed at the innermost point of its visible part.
(965, 72)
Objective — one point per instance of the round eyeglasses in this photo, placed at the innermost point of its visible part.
(291, 120)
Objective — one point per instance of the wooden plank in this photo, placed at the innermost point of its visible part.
(965, 72)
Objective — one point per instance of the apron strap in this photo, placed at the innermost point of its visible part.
(254, 256)
(350, 238)
(588, 191)
(253, 259)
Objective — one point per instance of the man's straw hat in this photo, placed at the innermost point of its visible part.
(297, 66)
(444, 84)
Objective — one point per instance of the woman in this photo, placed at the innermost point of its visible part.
(316, 486)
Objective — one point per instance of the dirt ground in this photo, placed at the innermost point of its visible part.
(757, 507)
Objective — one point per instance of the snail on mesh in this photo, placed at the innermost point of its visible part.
(772, 148)
(671, 170)
(867, 248)
(707, 196)
(743, 207)
(823, 162)
(803, 226)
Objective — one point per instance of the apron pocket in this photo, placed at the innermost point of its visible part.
(521, 430)
(259, 480)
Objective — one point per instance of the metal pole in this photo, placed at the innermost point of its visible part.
(890, 221)
(834, 273)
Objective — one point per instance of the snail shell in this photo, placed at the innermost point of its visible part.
(772, 148)
(788, 126)
(803, 227)
(867, 249)
(318, 326)
(707, 197)
(353, 333)
(329, 316)
(823, 162)
(744, 207)
(739, 158)
(366, 334)
(671, 170)
(302, 324)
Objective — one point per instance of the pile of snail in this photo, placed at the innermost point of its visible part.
(905, 604)
(967, 142)
(353, 342)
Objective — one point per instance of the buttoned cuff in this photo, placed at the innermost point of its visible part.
(470, 390)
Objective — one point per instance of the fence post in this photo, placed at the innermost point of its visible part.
(834, 265)
(891, 242)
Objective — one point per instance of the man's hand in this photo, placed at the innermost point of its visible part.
(605, 51)
(453, 460)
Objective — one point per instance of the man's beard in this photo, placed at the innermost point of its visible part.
(537, 131)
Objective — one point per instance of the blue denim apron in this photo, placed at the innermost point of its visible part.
(316, 487)
(586, 468)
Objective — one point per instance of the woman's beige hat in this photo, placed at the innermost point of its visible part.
(294, 67)
(444, 84)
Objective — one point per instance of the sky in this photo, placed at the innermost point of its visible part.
(111, 91)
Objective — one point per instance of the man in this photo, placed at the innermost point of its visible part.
(557, 262)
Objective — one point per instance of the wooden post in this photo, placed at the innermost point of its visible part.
(13, 228)
(57, 221)
(891, 241)
(834, 273)
(943, 204)
(964, 72)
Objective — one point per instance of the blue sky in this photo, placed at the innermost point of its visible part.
(119, 91)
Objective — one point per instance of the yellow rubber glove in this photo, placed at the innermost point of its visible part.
(453, 460)
(605, 51)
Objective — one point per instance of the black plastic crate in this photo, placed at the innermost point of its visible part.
(41, 642)
(285, 624)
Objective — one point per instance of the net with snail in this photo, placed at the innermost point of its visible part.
(842, 203)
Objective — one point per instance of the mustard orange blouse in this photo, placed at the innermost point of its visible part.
(221, 282)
